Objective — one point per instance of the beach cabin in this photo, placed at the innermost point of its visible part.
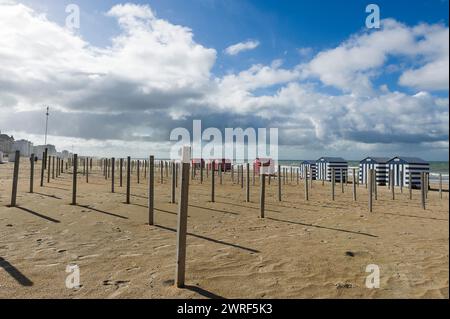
(324, 165)
(311, 166)
(377, 163)
(198, 163)
(266, 164)
(225, 164)
(1, 158)
(404, 166)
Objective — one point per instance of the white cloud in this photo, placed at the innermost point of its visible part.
(237, 48)
(353, 64)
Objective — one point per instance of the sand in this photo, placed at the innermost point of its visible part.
(314, 249)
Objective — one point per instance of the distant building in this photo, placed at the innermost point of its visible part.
(66, 154)
(6, 143)
(38, 150)
(25, 147)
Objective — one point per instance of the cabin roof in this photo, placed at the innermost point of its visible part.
(379, 160)
(408, 160)
(332, 160)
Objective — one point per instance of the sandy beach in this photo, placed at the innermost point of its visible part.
(314, 249)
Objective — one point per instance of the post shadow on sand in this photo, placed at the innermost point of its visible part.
(213, 209)
(249, 207)
(15, 273)
(322, 227)
(203, 292)
(60, 188)
(211, 239)
(47, 195)
(101, 211)
(38, 214)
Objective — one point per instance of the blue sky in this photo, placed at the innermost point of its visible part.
(296, 40)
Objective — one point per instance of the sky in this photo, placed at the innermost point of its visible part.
(134, 71)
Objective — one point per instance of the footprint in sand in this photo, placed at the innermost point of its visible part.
(117, 284)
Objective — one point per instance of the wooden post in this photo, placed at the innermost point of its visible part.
(57, 167)
(212, 181)
(422, 188)
(53, 167)
(15, 178)
(248, 182)
(128, 179)
(173, 183)
(354, 184)
(176, 175)
(84, 165)
(262, 195)
(232, 173)
(105, 167)
(440, 185)
(87, 171)
(31, 173)
(370, 189)
(138, 172)
(201, 171)
(297, 171)
(49, 160)
(333, 180)
(182, 225)
(401, 180)
(392, 184)
(253, 175)
(342, 179)
(306, 183)
(375, 185)
(366, 177)
(151, 190)
(113, 167)
(162, 172)
(74, 179)
(410, 184)
(145, 169)
(220, 174)
(43, 162)
(120, 172)
(279, 183)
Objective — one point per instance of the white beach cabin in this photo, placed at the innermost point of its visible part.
(377, 163)
(324, 165)
(404, 166)
(311, 166)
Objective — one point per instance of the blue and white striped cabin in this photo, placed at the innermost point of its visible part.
(404, 166)
(311, 166)
(377, 163)
(324, 165)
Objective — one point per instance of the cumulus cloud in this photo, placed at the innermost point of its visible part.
(237, 48)
(154, 77)
(352, 65)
